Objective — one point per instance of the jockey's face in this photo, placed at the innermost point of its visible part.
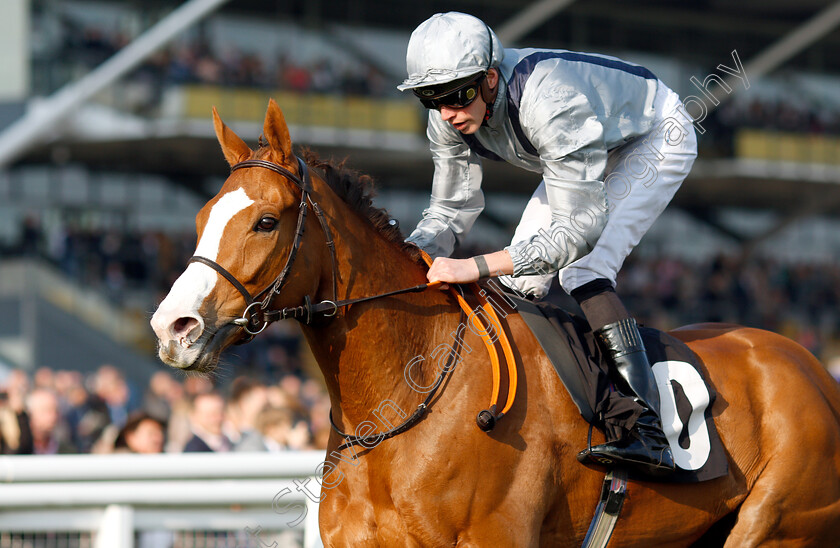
(468, 119)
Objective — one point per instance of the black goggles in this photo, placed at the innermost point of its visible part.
(460, 97)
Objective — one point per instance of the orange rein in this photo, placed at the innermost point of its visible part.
(491, 347)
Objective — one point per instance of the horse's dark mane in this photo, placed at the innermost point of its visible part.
(357, 190)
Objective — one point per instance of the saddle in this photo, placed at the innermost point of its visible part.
(681, 378)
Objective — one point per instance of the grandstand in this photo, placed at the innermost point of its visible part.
(107, 151)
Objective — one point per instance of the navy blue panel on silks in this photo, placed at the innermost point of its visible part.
(686, 397)
(476, 146)
(516, 86)
(523, 69)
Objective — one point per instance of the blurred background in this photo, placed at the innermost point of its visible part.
(107, 152)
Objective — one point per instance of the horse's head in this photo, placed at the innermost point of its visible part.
(247, 237)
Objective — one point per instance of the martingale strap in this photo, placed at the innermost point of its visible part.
(372, 440)
(487, 418)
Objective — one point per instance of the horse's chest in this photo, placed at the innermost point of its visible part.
(385, 509)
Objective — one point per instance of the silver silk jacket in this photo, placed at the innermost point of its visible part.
(557, 113)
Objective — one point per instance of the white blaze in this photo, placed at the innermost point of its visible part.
(198, 280)
(228, 205)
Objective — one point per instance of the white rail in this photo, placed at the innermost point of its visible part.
(114, 496)
(184, 466)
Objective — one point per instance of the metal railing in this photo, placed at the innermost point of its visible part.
(234, 500)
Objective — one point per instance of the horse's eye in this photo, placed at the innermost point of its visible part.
(267, 224)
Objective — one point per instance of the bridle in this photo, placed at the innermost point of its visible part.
(257, 314)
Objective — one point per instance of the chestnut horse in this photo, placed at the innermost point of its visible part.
(444, 482)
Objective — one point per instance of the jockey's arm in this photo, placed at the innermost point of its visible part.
(457, 199)
(466, 270)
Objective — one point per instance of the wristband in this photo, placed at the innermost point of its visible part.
(483, 269)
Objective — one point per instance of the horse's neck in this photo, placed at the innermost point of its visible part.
(363, 352)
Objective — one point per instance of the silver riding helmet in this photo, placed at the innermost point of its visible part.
(448, 47)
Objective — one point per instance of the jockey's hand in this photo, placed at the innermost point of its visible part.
(455, 271)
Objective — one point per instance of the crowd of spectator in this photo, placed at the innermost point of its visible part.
(200, 61)
(61, 411)
(774, 115)
(197, 61)
(779, 115)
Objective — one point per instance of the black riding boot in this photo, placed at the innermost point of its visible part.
(646, 448)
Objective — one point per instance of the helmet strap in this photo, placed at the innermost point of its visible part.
(489, 97)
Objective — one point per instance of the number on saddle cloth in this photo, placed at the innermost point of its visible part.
(685, 408)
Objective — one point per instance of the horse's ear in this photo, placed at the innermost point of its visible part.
(276, 133)
(234, 148)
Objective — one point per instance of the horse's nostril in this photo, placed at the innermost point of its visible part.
(183, 326)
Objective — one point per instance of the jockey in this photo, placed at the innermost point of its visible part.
(613, 145)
